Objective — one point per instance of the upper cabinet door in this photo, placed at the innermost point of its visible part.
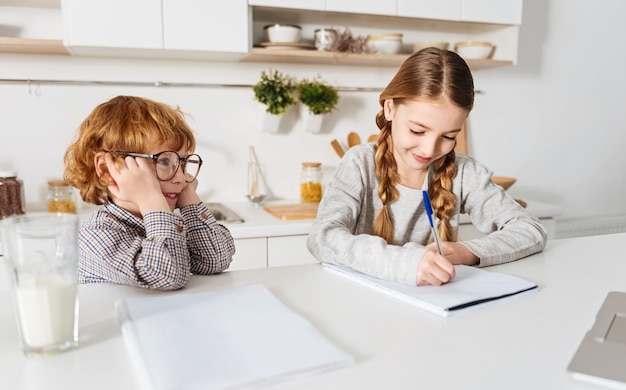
(315, 5)
(209, 25)
(429, 9)
(492, 11)
(112, 23)
(374, 7)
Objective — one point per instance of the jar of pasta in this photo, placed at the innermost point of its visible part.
(11, 194)
(60, 197)
(311, 182)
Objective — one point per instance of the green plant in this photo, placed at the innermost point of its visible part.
(319, 97)
(275, 90)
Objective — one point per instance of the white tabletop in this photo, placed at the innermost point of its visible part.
(523, 343)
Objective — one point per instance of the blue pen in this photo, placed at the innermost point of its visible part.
(429, 212)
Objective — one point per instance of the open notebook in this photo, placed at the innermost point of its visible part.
(470, 287)
(238, 338)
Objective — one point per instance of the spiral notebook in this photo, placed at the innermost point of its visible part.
(237, 338)
(470, 287)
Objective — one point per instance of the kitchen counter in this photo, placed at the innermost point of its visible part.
(260, 223)
(524, 343)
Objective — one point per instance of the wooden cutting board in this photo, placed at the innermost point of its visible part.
(287, 212)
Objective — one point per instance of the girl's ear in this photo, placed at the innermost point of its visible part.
(388, 108)
(101, 169)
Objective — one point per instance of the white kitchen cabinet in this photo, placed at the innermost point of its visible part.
(210, 25)
(428, 9)
(112, 23)
(492, 11)
(250, 253)
(274, 251)
(373, 7)
(314, 5)
(481, 11)
(156, 28)
(288, 250)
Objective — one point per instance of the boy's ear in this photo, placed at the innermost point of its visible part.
(101, 169)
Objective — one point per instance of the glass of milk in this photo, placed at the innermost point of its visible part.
(41, 251)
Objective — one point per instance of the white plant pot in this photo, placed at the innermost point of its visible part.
(311, 123)
(270, 122)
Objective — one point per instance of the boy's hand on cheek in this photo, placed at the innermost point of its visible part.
(136, 183)
(189, 195)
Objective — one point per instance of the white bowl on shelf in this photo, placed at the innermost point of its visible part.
(384, 44)
(283, 33)
(417, 46)
(474, 50)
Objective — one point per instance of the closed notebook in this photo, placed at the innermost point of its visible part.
(237, 338)
(470, 287)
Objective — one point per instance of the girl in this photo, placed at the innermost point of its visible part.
(372, 216)
(134, 156)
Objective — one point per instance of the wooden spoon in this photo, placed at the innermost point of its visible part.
(338, 148)
(353, 139)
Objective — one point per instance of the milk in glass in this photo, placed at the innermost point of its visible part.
(42, 253)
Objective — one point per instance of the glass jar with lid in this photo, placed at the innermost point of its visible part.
(11, 194)
(61, 197)
(311, 182)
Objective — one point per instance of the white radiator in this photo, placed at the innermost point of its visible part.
(590, 226)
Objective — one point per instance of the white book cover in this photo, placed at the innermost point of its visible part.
(237, 338)
(470, 287)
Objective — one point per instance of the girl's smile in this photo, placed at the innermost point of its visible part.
(421, 159)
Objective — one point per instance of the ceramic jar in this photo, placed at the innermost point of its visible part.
(325, 38)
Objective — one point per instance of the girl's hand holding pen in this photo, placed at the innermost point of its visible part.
(456, 253)
(434, 269)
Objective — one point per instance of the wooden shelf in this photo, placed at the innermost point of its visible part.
(54, 46)
(32, 46)
(335, 58)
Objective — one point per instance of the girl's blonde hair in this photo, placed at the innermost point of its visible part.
(124, 123)
(428, 74)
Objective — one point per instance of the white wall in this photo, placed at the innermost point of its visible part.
(553, 121)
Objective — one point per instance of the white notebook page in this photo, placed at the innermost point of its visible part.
(239, 338)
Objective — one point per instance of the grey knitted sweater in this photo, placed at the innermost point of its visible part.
(342, 232)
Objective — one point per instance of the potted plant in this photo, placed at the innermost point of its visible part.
(318, 99)
(275, 91)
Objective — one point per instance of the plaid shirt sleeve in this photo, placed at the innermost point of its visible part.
(155, 252)
(210, 244)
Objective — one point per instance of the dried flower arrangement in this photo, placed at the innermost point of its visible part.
(346, 43)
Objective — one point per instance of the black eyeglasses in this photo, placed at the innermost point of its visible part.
(168, 162)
